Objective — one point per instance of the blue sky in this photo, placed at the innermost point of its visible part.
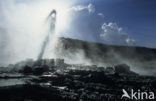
(119, 22)
(137, 18)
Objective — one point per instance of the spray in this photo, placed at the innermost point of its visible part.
(51, 19)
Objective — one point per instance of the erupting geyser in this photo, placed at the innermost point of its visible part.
(51, 18)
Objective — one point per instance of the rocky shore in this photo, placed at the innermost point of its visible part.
(77, 85)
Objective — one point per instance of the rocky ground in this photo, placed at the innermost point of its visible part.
(77, 85)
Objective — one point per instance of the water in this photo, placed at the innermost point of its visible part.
(11, 82)
(13, 79)
(51, 20)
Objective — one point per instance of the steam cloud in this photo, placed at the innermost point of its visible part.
(23, 29)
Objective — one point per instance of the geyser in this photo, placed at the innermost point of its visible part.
(51, 19)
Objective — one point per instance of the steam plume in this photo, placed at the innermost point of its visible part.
(52, 19)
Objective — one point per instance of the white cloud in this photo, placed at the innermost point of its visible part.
(101, 15)
(115, 35)
(130, 41)
(89, 7)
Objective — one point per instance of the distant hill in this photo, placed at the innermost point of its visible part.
(98, 53)
(98, 50)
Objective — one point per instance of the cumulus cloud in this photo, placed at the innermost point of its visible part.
(113, 34)
(90, 7)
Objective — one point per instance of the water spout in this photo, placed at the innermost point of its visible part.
(51, 19)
